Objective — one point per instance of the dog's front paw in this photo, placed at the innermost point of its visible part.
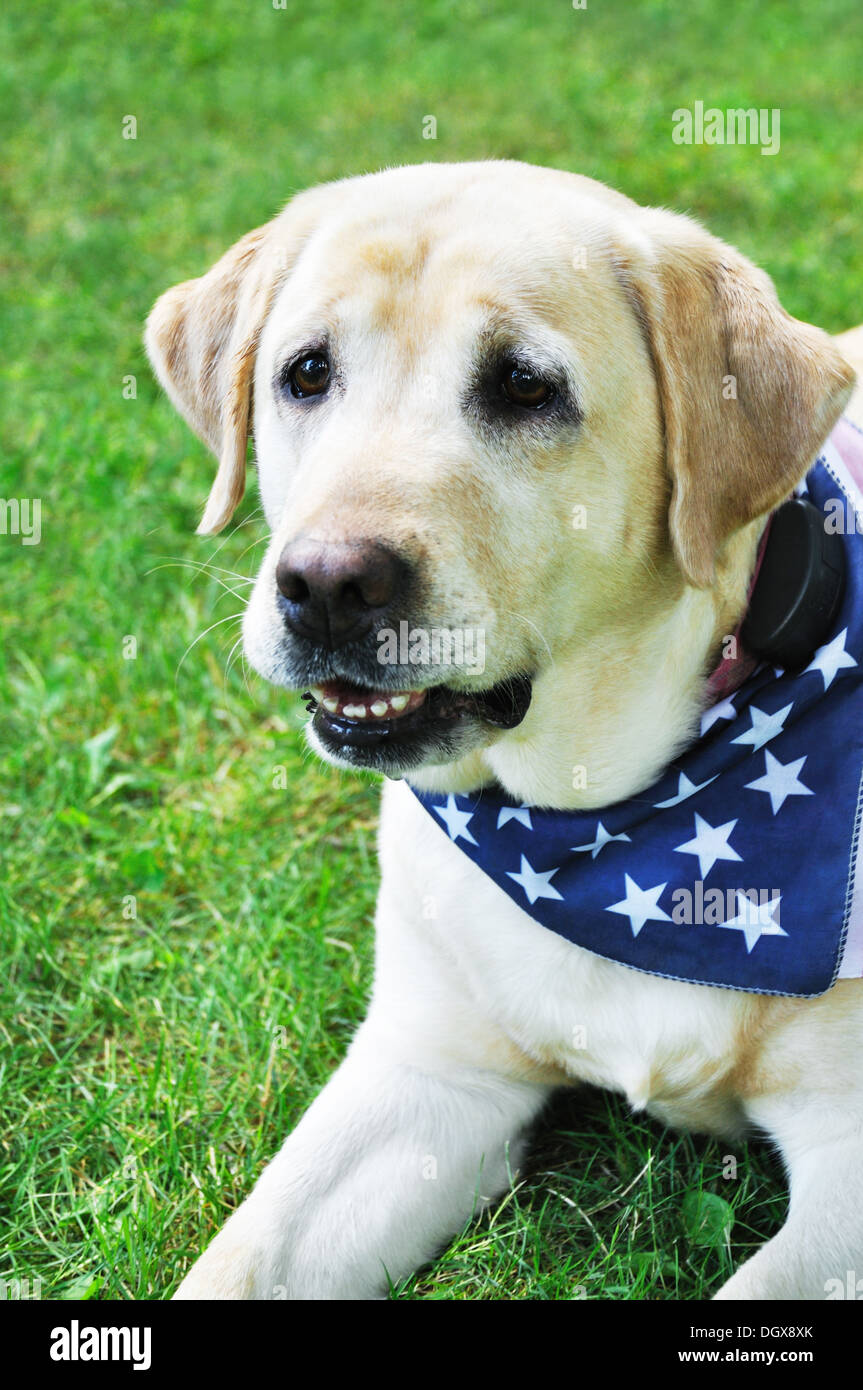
(221, 1274)
(770, 1275)
(239, 1263)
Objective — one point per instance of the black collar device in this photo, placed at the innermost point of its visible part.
(799, 588)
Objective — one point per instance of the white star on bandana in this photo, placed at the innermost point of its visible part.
(764, 727)
(641, 905)
(724, 710)
(685, 789)
(603, 837)
(536, 885)
(456, 821)
(710, 844)
(780, 781)
(754, 920)
(831, 658)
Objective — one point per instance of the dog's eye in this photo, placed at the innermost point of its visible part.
(524, 387)
(309, 375)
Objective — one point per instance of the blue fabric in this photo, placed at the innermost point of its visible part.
(766, 801)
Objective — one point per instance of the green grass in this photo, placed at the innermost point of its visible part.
(152, 1062)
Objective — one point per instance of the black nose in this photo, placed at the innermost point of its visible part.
(333, 593)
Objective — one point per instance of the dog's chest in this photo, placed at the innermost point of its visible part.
(671, 1048)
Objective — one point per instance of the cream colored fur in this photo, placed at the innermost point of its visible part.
(476, 1011)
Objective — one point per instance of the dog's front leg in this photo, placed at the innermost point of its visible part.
(818, 1254)
(388, 1162)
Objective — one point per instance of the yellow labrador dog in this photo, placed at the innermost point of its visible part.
(440, 364)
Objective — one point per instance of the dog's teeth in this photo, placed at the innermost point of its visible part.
(378, 706)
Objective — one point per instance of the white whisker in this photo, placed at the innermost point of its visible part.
(212, 571)
(511, 612)
(232, 617)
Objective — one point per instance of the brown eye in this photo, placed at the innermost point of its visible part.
(523, 387)
(309, 375)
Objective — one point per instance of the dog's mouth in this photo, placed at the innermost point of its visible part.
(396, 722)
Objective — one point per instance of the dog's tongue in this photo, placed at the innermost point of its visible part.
(355, 702)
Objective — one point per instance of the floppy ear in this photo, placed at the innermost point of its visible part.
(748, 393)
(202, 339)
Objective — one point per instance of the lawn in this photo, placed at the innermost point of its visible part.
(186, 896)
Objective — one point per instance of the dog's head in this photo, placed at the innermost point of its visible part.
(515, 439)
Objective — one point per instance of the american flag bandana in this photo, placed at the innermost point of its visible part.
(740, 867)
